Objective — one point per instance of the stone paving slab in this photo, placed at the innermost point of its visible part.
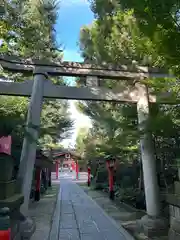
(68, 221)
(69, 234)
(91, 236)
(78, 217)
(41, 212)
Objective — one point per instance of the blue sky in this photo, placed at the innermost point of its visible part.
(73, 14)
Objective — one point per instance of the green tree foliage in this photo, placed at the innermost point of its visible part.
(118, 36)
(27, 30)
(156, 20)
(81, 137)
(115, 38)
(159, 20)
(55, 120)
(80, 146)
(113, 131)
(12, 114)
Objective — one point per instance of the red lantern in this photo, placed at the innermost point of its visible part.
(110, 161)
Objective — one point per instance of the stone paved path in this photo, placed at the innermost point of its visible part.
(78, 217)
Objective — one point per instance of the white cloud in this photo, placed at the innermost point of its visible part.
(80, 120)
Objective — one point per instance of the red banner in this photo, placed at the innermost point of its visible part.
(5, 145)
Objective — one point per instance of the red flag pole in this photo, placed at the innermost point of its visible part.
(49, 177)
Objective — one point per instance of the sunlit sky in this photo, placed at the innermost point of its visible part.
(73, 14)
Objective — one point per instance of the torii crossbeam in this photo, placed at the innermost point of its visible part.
(123, 94)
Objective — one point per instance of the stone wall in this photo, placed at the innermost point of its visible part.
(174, 214)
(174, 232)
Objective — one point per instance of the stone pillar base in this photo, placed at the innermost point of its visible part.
(49, 183)
(27, 227)
(174, 231)
(111, 194)
(174, 210)
(37, 196)
(153, 227)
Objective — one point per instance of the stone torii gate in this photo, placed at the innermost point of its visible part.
(42, 87)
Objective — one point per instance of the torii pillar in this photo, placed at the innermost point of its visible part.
(28, 154)
(153, 221)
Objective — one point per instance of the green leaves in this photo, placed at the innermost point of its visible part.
(159, 21)
(112, 131)
(117, 39)
(27, 30)
(55, 120)
(124, 31)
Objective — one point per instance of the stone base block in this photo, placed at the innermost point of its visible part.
(153, 227)
(174, 232)
(37, 196)
(111, 194)
(177, 187)
(18, 186)
(7, 165)
(7, 189)
(13, 202)
(49, 183)
(173, 235)
(27, 227)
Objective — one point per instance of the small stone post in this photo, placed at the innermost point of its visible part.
(49, 177)
(57, 169)
(28, 154)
